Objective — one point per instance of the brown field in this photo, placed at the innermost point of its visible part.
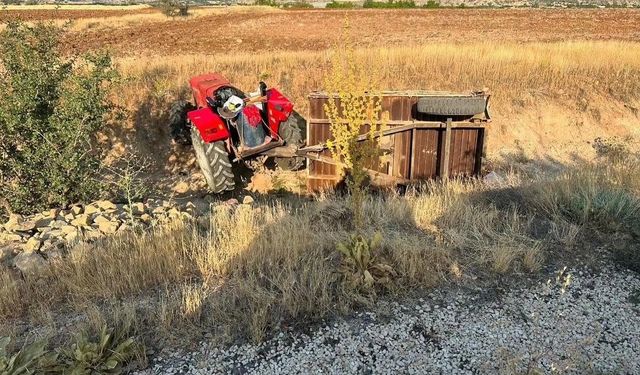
(254, 29)
(41, 13)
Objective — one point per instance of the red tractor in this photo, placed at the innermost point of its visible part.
(225, 125)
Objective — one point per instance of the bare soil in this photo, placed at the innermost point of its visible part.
(257, 29)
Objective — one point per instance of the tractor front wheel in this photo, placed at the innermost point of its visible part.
(214, 163)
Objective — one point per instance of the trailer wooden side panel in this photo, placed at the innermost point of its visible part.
(414, 154)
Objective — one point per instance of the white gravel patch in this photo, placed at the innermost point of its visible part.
(587, 326)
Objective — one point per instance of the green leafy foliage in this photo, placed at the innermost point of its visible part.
(31, 359)
(51, 109)
(340, 5)
(110, 353)
(174, 8)
(360, 265)
(432, 4)
(107, 355)
(390, 4)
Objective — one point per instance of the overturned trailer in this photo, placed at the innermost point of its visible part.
(428, 134)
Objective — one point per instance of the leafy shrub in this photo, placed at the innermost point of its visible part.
(340, 5)
(31, 359)
(391, 4)
(107, 355)
(174, 8)
(612, 149)
(268, 3)
(431, 4)
(361, 267)
(51, 109)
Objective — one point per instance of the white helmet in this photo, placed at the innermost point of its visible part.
(231, 108)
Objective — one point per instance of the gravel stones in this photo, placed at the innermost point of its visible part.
(588, 325)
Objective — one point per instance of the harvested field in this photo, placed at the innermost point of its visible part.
(318, 30)
(41, 13)
(219, 30)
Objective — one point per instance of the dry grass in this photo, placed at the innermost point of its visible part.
(74, 7)
(243, 272)
(151, 19)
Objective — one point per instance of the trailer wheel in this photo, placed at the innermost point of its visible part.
(178, 125)
(214, 163)
(293, 132)
(452, 105)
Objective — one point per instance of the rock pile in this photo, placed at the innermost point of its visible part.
(28, 243)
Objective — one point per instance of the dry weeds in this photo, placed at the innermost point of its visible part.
(246, 271)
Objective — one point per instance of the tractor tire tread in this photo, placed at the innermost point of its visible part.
(293, 132)
(214, 163)
(452, 105)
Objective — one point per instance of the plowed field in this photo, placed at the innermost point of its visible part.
(254, 29)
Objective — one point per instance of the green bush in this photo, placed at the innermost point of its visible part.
(432, 4)
(174, 8)
(108, 352)
(340, 5)
(297, 5)
(391, 4)
(51, 109)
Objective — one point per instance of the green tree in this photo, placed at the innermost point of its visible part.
(51, 109)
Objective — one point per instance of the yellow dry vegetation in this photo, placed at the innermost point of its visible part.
(74, 7)
(241, 271)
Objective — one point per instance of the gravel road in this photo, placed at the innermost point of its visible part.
(577, 322)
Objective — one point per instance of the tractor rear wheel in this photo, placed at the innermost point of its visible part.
(452, 105)
(293, 132)
(214, 163)
(178, 125)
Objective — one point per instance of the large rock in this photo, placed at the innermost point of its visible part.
(29, 263)
(7, 252)
(17, 224)
(32, 245)
(9, 237)
(91, 209)
(68, 229)
(57, 224)
(138, 208)
(48, 233)
(100, 219)
(42, 221)
(108, 227)
(105, 205)
(83, 220)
